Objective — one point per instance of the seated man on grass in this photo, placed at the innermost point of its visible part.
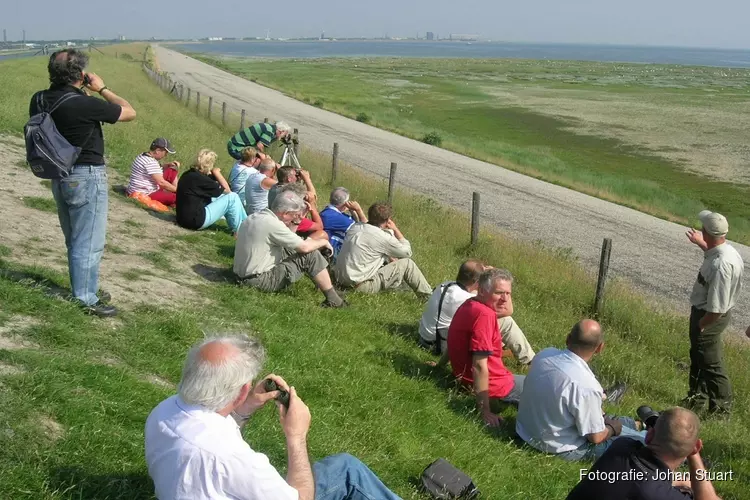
(289, 176)
(155, 180)
(194, 445)
(475, 347)
(269, 256)
(561, 407)
(337, 220)
(628, 470)
(445, 301)
(368, 246)
(310, 225)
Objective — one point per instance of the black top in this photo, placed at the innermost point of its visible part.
(628, 470)
(194, 192)
(79, 120)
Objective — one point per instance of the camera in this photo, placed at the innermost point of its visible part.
(287, 139)
(647, 415)
(86, 79)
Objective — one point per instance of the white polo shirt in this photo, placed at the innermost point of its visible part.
(193, 453)
(561, 402)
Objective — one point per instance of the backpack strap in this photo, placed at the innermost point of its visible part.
(41, 106)
(438, 337)
(61, 100)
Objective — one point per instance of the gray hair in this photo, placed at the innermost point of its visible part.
(339, 196)
(266, 165)
(488, 278)
(214, 385)
(287, 201)
(283, 127)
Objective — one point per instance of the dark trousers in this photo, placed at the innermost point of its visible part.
(708, 377)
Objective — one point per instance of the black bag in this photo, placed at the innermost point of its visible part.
(443, 480)
(48, 153)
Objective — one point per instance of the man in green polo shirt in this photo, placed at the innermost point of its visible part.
(258, 135)
(714, 295)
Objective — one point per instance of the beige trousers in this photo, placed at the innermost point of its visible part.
(393, 275)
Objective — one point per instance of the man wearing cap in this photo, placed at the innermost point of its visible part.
(714, 294)
(149, 177)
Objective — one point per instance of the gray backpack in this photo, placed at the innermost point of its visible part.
(48, 153)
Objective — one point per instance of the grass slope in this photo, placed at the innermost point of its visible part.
(71, 423)
(454, 98)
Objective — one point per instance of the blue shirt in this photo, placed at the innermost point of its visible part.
(336, 225)
(238, 178)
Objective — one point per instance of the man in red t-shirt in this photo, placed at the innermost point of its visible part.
(475, 347)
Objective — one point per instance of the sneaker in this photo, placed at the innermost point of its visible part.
(101, 310)
(616, 392)
(335, 306)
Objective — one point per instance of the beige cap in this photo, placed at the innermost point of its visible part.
(714, 223)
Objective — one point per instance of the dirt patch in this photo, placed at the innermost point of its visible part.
(52, 429)
(10, 338)
(158, 381)
(34, 237)
(6, 369)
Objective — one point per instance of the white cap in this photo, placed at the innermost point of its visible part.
(714, 223)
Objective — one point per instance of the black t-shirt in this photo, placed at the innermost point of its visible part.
(628, 470)
(79, 120)
(194, 192)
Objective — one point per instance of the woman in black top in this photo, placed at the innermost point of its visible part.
(201, 201)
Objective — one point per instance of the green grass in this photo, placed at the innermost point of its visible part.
(43, 204)
(454, 98)
(358, 370)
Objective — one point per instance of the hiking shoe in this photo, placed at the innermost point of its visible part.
(101, 310)
(335, 306)
(616, 392)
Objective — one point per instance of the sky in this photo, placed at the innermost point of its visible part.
(692, 23)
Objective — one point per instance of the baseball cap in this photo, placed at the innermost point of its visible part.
(714, 223)
(162, 143)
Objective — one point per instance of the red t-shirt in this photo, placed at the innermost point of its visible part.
(474, 329)
(304, 225)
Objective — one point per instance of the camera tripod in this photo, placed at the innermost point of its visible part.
(289, 157)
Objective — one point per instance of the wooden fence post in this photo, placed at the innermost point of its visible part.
(198, 102)
(187, 101)
(210, 105)
(265, 120)
(242, 120)
(603, 269)
(224, 113)
(295, 141)
(474, 218)
(392, 183)
(335, 164)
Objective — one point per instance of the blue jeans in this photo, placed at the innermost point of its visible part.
(591, 451)
(227, 205)
(513, 397)
(344, 477)
(82, 209)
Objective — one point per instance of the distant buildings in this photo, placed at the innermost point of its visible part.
(430, 35)
(463, 38)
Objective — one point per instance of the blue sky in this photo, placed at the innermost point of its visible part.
(721, 23)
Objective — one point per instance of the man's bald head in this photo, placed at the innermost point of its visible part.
(469, 272)
(216, 369)
(675, 433)
(585, 337)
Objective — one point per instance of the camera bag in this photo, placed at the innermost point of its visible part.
(444, 481)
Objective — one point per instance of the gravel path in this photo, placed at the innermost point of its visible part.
(652, 253)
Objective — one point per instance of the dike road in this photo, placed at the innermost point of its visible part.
(651, 253)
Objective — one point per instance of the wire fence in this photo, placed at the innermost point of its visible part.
(204, 103)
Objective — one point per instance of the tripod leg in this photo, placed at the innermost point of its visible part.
(284, 157)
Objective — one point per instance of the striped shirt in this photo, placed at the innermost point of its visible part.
(141, 170)
(263, 133)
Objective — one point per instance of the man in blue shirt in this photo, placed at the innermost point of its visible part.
(335, 222)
